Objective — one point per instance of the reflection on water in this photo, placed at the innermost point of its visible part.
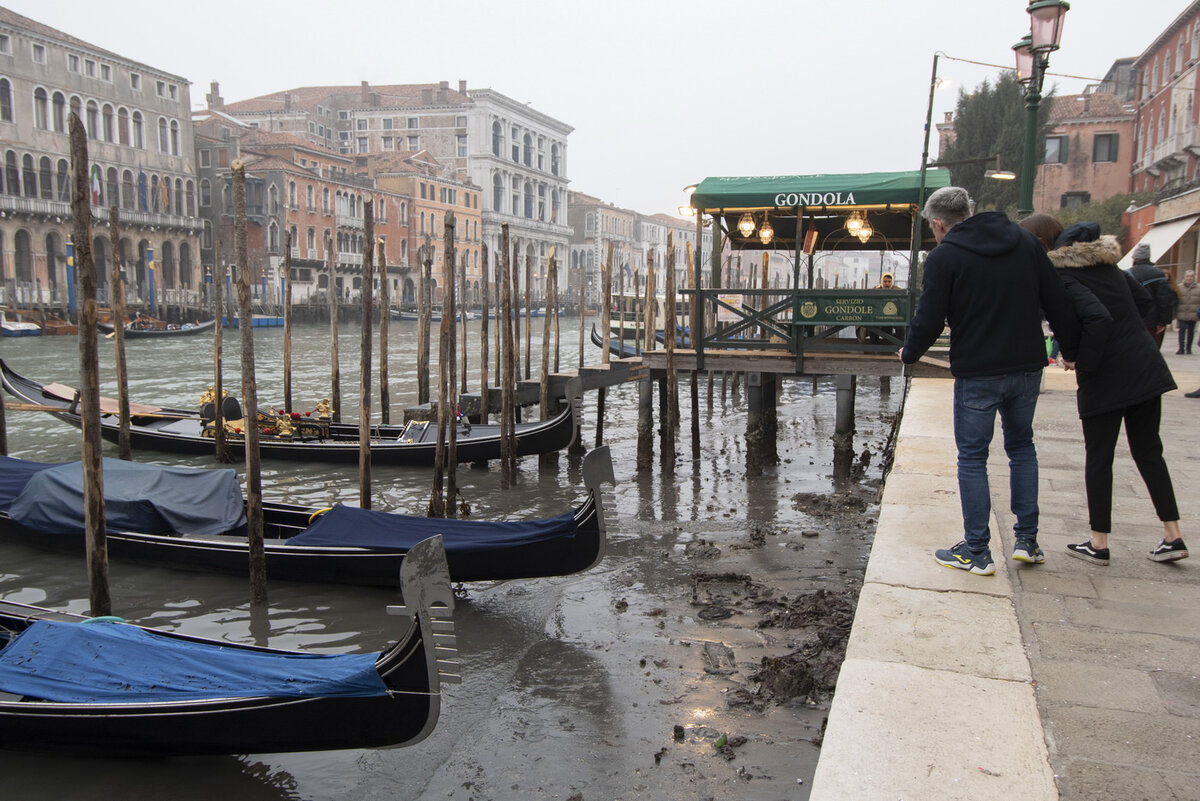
(511, 636)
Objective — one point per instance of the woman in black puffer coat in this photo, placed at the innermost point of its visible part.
(1121, 377)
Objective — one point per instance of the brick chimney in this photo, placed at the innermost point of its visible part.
(462, 87)
(214, 99)
(287, 101)
(366, 92)
(426, 96)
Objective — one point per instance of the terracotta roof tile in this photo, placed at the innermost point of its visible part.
(1095, 104)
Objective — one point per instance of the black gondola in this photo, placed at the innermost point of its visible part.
(132, 331)
(115, 689)
(163, 428)
(194, 519)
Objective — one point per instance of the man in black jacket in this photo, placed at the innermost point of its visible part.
(1155, 282)
(991, 282)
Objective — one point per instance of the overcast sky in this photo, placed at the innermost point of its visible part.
(661, 93)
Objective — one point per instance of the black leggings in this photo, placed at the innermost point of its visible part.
(1100, 442)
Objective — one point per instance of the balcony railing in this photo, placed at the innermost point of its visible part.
(55, 208)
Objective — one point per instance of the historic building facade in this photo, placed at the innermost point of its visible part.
(296, 187)
(1087, 151)
(141, 160)
(516, 155)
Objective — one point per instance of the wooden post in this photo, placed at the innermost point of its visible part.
(118, 318)
(335, 370)
(508, 373)
(385, 313)
(514, 270)
(645, 424)
(254, 513)
(484, 303)
(582, 310)
(548, 459)
(89, 381)
(367, 297)
(450, 400)
(424, 301)
(621, 306)
(437, 498)
(671, 412)
(552, 308)
(606, 300)
(220, 440)
(461, 305)
(695, 376)
(528, 312)
(287, 321)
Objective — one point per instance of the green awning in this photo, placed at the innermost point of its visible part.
(790, 191)
(890, 200)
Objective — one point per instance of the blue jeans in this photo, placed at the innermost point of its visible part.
(976, 401)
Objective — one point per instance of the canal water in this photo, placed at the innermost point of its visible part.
(614, 684)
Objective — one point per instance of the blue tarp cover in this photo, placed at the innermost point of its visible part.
(365, 528)
(119, 663)
(14, 475)
(146, 498)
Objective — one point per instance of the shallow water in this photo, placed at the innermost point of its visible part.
(571, 685)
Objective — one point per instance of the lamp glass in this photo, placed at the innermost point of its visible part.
(854, 222)
(766, 233)
(1045, 23)
(1024, 53)
(746, 224)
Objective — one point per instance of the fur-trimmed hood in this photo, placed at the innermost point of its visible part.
(1105, 250)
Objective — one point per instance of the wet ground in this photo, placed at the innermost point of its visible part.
(696, 661)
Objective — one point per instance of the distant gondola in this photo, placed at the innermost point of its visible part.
(134, 332)
(195, 519)
(96, 687)
(184, 431)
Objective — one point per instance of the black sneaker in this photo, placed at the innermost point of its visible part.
(1028, 551)
(963, 558)
(1169, 551)
(1089, 553)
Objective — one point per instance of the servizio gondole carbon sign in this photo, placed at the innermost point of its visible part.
(862, 307)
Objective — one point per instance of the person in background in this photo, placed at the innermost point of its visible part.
(1162, 312)
(991, 281)
(1121, 376)
(1186, 311)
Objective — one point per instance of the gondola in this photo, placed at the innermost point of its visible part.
(99, 687)
(195, 519)
(133, 332)
(435, 316)
(615, 346)
(311, 440)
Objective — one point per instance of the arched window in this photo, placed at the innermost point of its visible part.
(273, 200)
(312, 242)
(325, 200)
(529, 199)
(63, 181)
(177, 196)
(41, 109)
(128, 192)
(139, 131)
(273, 237)
(528, 150)
(174, 137)
(59, 101)
(46, 178)
(205, 193)
(29, 176)
(23, 256)
(109, 127)
(292, 194)
(123, 126)
(164, 143)
(190, 196)
(112, 194)
(422, 222)
(554, 159)
(497, 138)
(310, 197)
(6, 104)
(516, 195)
(154, 196)
(185, 265)
(93, 120)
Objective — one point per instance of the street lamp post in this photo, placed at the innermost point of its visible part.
(1033, 58)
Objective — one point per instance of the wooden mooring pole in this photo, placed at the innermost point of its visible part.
(117, 284)
(287, 321)
(220, 440)
(508, 372)
(385, 313)
(484, 304)
(254, 513)
(364, 384)
(335, 370)
(99, 599)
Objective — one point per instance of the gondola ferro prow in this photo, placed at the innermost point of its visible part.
(429, 602)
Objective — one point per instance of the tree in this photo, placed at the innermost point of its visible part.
(990, 121)
(1106, 213)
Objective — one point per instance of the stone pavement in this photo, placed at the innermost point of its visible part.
(1063, 680)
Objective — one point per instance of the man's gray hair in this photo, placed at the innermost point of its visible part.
(950, 204)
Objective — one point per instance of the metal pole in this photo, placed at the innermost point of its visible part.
(1033, 98)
